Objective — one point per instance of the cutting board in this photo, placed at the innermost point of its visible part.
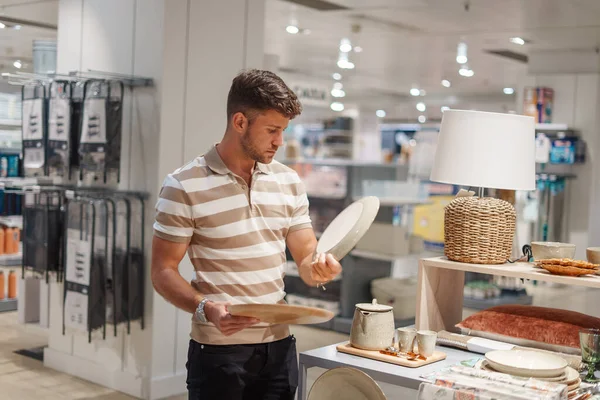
(376, 355)
(281, 313)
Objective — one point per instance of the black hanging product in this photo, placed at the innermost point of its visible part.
(43, 231)
(64, 124)
(34, 129)
(101, 126)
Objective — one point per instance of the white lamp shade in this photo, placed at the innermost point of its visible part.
(488, 150)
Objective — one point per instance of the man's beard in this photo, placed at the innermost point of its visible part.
(251, 151)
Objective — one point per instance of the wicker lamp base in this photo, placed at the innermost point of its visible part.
(479, 230)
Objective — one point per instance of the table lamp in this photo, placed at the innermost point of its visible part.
(483, 150)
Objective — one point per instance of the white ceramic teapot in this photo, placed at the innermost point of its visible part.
(372, 326)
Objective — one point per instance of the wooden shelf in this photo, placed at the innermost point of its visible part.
(440, 287)
(516, 270)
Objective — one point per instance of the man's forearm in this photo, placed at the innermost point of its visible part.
(305, 271)
(176, 290)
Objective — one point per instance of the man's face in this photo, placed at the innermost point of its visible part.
(264, 135)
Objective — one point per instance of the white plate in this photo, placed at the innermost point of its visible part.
(344, 232)
(526, 363)
(347, 384)
(562, 378)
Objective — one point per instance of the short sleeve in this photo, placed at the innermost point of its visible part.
(174, 220)
(300, 215)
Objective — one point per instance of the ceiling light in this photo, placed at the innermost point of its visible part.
(380, 113)
(17, 64)
(358, 49)
(446, 83)
(422, 92)
(422, 119)
(509, 90)
(337, 76)
(445, 108)
(466, 71)
(421, 107)
(517, 40)
(338, 85)
(345, 64)
(461, 53)
(338, 93)
(415, 92)
(17, 27)
(2, 26)
(293, 29)
(336, 106)
(345, 45)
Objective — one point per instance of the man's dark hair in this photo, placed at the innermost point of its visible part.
(254, 91)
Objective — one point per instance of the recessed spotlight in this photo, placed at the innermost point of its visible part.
(466, 71)
(358, 49)
(345, 45)
(509, 90)
(337, 92)
(380, 113)
(338, 85)
(17, 27)
(17, 64)
(444, 108)
(345, 64)
(292, 29)
(336, 106)
(421, 107)
(446, 83)
(2, 26)
(517, 40)
(415, 92)
(337, 76)
(422, 92)
(422, 119)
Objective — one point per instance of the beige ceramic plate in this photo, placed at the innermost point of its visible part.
(558, 379)
(526, 363)
(281, 313)
(347, 384)
(344, 232)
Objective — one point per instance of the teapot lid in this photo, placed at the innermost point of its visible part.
(374, 307)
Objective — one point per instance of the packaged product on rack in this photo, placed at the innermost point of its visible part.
(64, 124)
(100, 142)
(34, 129)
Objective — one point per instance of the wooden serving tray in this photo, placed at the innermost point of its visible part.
(376, 355)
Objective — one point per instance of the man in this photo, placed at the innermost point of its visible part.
(233, 211)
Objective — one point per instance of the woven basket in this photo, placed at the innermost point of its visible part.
(479, 230)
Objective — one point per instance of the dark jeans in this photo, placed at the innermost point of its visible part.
(266, 371)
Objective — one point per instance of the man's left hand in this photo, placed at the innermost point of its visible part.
(325, 268)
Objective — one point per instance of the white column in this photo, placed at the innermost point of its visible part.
(205, 45)
(193, 50)
(367, 136)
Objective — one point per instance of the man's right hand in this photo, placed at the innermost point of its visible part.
(228, 324)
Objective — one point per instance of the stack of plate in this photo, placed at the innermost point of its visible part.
(532, 364)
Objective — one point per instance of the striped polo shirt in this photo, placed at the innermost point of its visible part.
(236, 235)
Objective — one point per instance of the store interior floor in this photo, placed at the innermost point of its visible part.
(23, 378)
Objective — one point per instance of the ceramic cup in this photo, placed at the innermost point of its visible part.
(426, 341)
(406, 339)
(593, 255)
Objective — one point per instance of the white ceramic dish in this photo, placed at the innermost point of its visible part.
(546, 250)
(344, 232)
(347, 384)
(562, 378)
(526, 363)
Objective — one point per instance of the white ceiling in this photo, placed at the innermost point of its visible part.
(410, 43)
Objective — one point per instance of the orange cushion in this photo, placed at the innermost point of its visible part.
(547, 325)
